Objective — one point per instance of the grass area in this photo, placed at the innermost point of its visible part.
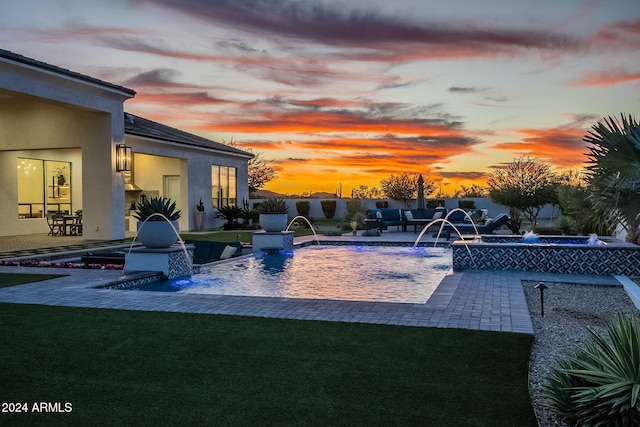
(327, 222)
(220, 236)
(13, 279)
(149, 368)
(246, 235)
(236, 235)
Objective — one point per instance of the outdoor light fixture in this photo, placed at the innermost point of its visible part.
(542, 287)
(123, 158)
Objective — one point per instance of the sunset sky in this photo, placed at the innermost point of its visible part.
(352, 91)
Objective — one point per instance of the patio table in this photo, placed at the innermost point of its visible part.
(71, 225)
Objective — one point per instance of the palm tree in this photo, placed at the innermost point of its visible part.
(614, 173)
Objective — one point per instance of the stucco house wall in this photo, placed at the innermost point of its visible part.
(53, 114)
(43, 107)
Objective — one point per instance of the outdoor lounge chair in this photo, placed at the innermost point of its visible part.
(421, 217)
(487, 228)
(381, 219)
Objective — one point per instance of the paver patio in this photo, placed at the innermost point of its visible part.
(471, 299)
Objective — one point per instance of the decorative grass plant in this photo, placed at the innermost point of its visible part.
(600, 384)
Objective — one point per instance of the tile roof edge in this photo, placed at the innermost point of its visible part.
(204, 142)
(63, 71)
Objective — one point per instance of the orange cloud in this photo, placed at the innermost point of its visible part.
(562, 147)
(609, 78)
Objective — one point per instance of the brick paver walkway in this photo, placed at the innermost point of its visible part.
(483, 300)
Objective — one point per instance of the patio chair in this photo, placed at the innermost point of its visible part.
(76, 228)
(56, 224)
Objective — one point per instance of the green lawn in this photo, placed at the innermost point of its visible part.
(236, 235)
(148, 368)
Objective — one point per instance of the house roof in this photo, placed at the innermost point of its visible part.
(134, 125)
(138, 126)
(62, 71)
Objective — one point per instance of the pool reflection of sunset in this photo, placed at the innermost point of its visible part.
(348, 93)
(353, 273)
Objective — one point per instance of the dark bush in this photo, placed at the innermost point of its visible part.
(548, 231)
(303, 207)
(231, 214)
(467, 204)
(382, 204)
(328, 208)
(353, 207)
(434, 203)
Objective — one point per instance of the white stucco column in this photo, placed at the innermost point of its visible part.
(103, 187)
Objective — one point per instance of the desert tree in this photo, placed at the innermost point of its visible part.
(475, 190)
(259, 169)
(404, 187)
(525, 185)
(364, 192)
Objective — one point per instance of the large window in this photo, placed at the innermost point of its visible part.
(223, 186)
(43, 186)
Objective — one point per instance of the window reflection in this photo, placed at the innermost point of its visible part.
(223, 186)
(43, 186)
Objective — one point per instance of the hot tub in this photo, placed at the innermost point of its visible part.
(552, 254)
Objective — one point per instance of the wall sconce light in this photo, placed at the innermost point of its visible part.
(123, 158)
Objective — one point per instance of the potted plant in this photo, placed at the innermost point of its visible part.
(158, 225)
(199, 216)
(273, 214)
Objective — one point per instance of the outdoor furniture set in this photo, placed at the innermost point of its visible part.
(61, 224)
(382, 219)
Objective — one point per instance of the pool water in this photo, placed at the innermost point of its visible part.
(360, 273)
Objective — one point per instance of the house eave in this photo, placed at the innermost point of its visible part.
(192, 145)
(9, 56)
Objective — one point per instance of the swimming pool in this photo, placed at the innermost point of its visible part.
(355, 273)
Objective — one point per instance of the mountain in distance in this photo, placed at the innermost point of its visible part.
(261, 194)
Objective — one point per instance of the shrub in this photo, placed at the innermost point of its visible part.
(328, 208)
(358, 218)
(354, 206)
(382, 204)
(548, 231)
(249, 216)
(231, 214)
(304, 224)
(600, 384)
(566, 224)
(303, 207)
(434, 203)
(467, 204)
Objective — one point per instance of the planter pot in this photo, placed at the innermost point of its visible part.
(273, 222)
(199, 218)
(158, 234)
